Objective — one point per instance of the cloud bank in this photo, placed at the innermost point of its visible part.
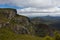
(36, 10)
(32, 3)
(35, 6)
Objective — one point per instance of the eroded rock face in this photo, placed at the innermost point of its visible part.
(7, 12)
(10, 18)
(20, 24)
(23, 20)
(20, 29)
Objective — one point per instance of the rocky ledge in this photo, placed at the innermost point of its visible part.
(21, 24)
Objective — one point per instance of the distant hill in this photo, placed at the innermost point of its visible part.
(53, 21)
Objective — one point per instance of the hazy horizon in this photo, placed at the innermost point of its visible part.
(39, 14)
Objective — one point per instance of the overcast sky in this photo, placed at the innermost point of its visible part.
(33, 7)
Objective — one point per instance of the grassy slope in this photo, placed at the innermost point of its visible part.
(7, 34)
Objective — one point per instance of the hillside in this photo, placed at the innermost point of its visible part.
(18, 27)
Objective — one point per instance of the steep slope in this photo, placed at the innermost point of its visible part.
(10, 18)
(20, 24)
(8, 34)
(6, 14)
(17, 26)
(14, 26)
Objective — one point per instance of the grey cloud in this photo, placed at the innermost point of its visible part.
(32, 3)
(40, 5)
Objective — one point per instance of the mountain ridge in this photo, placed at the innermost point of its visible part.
(13, 24)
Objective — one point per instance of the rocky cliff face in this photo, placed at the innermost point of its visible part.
(7, 12)
(10, 18)
(21, 24)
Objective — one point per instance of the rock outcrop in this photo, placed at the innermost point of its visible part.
(21, 24)
(10, 18)
(7, 12)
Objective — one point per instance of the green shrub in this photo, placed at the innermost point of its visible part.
(57, 36)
